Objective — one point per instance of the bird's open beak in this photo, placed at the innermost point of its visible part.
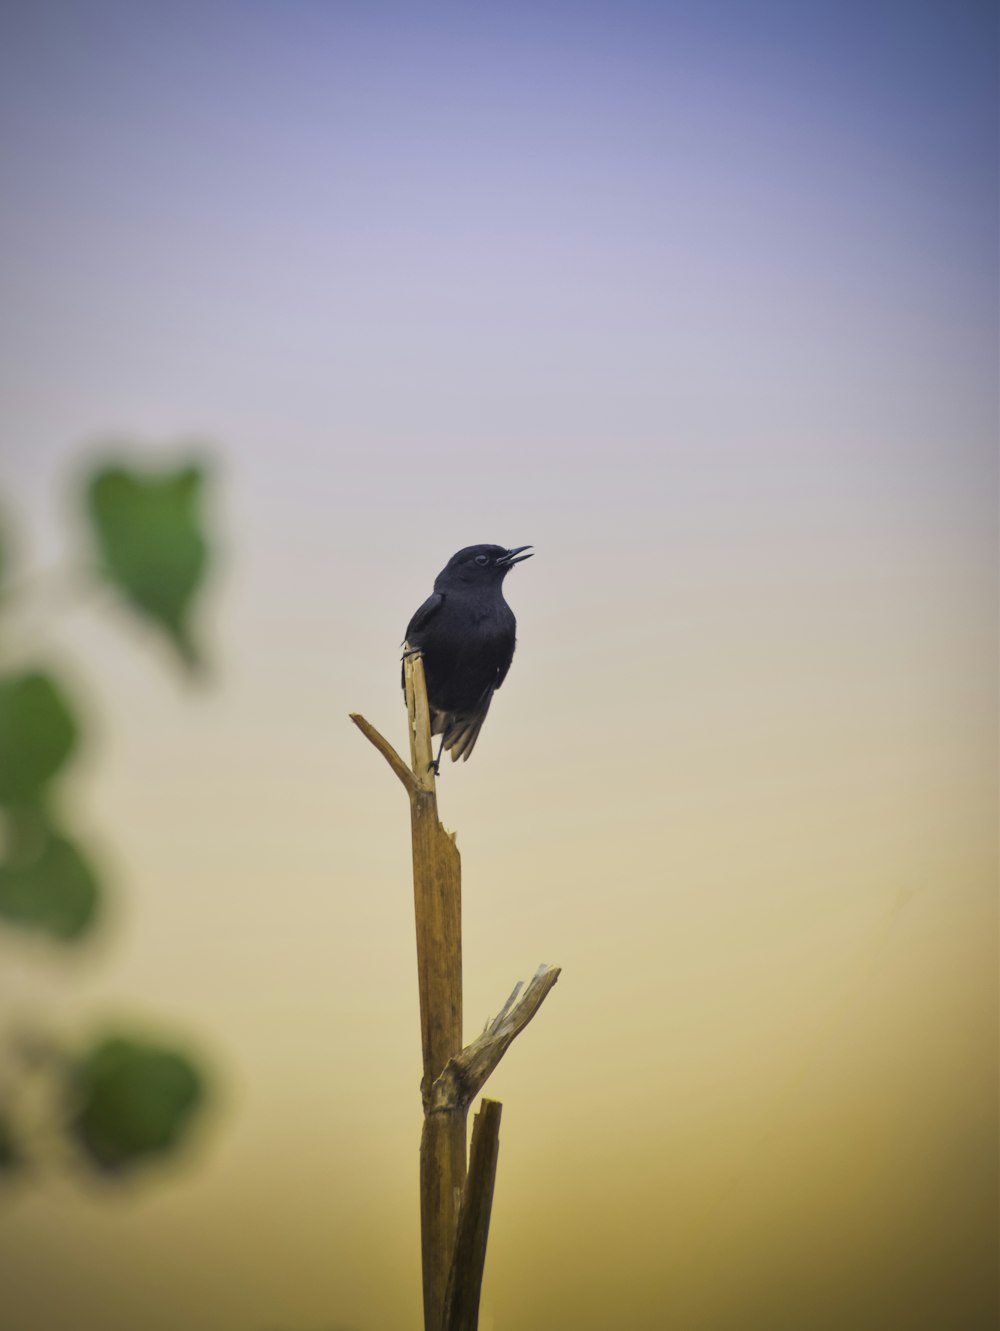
(508, 560)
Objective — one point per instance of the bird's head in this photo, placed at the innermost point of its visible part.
(480, 565)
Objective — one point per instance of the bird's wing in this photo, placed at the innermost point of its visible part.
(423, 616)
(504, 663)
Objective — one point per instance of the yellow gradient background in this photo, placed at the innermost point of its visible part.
(705, 310)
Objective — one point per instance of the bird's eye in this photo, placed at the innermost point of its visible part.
(482, 559)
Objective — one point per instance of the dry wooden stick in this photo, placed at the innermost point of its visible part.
(465, 1280)
(419, 715)
(437, 902)
(453, 1251)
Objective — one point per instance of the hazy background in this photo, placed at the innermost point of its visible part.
(701, 299)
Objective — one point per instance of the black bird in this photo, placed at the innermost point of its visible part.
(465, 632)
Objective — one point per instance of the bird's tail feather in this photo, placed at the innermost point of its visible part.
(460, 732)
(461, 739)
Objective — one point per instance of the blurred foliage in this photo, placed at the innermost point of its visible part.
(10, 1156)
(52, 889)
(37, 734)
(150, 542)
(131, 1100)
(123, 1100)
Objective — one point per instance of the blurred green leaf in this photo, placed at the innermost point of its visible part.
(10, 1157)
(132, 1101)
(152, 548)
(54, 891)
(37, 734)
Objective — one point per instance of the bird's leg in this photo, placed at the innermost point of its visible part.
(434, 765)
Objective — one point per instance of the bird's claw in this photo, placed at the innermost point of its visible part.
(434, 766)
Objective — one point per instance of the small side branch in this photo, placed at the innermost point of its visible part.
(465, 1279)
(386, 750)
(465, 1074)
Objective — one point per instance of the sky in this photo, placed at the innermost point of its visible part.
(701, 300)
